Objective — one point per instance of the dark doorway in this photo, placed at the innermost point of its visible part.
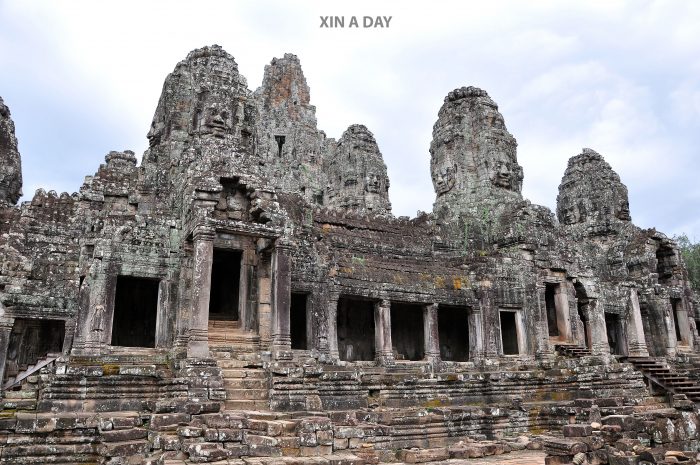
(225, 285)
(613, 329)
(550, 303)
(355, 329)
(298, 321)
(407, 331)
(509, 334)
(453, 333)
(135, 312)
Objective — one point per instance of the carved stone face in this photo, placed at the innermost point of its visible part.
(215, 120)
(623, 212)
(373, 183)
(444, 178)
(571, 214)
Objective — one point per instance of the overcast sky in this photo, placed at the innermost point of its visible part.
(82, 78)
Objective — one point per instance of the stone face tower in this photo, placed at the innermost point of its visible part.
(591, 195)
(357, 177)
(11, 174)
(473, 156)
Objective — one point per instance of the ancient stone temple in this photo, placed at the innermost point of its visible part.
(245, 295)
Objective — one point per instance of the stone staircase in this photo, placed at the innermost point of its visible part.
(227, 335)
(660, 374)
(247, 385)
(572, 350)
(30, 370)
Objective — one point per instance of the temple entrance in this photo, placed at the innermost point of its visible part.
(407, 331)
(509, 333)
(453, 333)
(135, 312)
(550, 303)
(30, 341)
(355, 326)
(298, 321)
(613, 329)
(225, 285)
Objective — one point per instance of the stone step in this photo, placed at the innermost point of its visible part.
(245, 383)
(243, 373)
(233, 363)
(239, 404)
(247, 394)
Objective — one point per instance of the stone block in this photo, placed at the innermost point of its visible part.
(423, 455)
(623, 460)
(122, 435)
(625, 422)
(189, 432)
(259, 440)
(576, 430)
(206, 452)
(308, 439)
(123, 449)
(168, 421)
(324, 438)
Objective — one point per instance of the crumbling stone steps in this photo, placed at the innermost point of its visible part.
(246, 388)
(661, 375)
(228, 336)
(572, 350)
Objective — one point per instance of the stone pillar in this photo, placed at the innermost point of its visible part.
(542, 345)
(476, 334)
(430, 333)
(683, 317)
(669, 325)
(282, 289)
(383, 348)
(265, 298)
(636, 342)
(331, 326)
(198, 332)
(597, 332)
(561, 302)
(91, 327)
(6, 324)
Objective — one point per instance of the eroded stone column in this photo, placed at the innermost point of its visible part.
(542, 345)
(669, 325)
(597, 332)
(331, 326)
(636, 342)
(430, 333)
(282, 288)
(561, 302)
(383, 348)
(5, 332)
(476, 334)
(198, 333)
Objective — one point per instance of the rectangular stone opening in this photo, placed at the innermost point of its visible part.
(453, 333)
(613, 330)
(225, 283)
(550, 303)
(407, 336)
(298, 321)
(355, 329)
(30, 341)
(135, 312)
(509, 333)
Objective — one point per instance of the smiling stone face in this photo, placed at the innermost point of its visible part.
(215, 119)
(473, 156)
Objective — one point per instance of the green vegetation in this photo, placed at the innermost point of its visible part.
(691, 255)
